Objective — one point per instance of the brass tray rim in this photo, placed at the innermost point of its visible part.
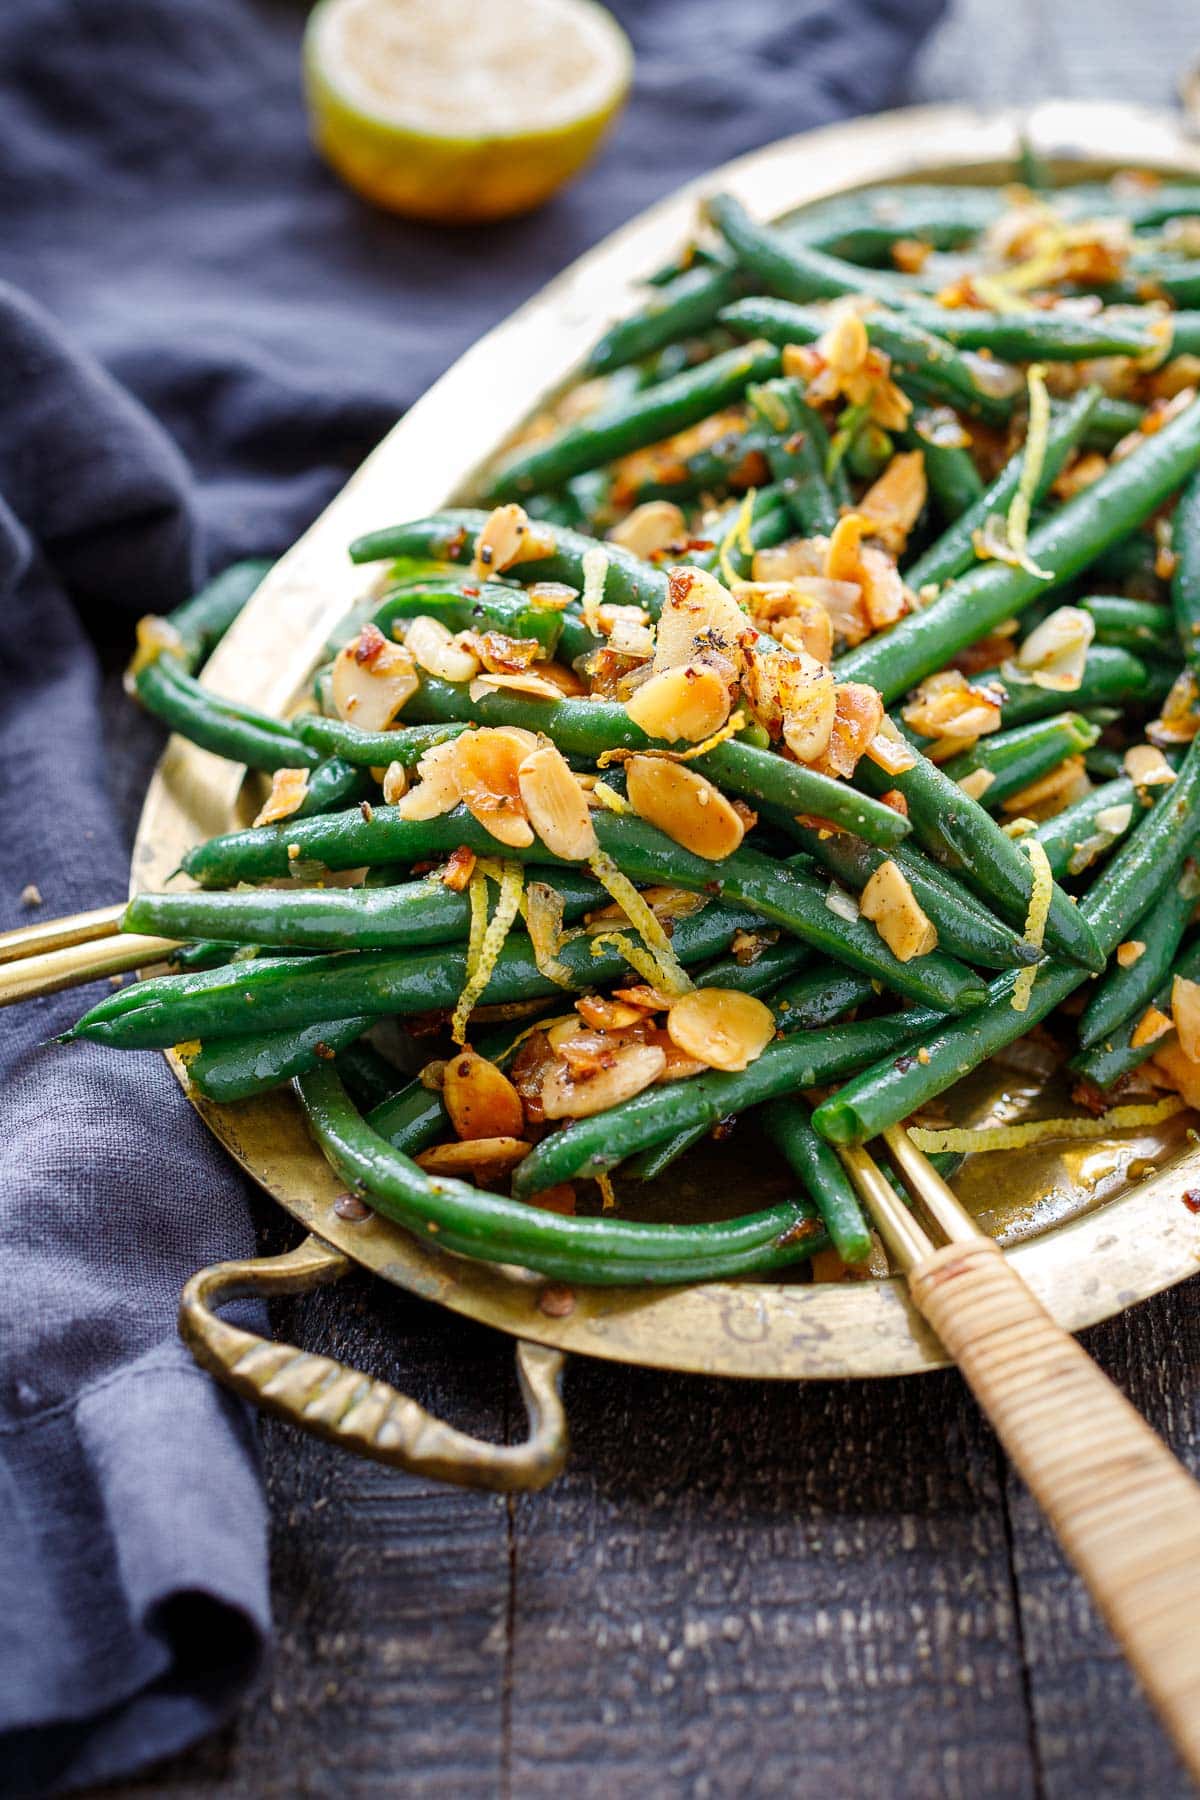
(1085, 1271)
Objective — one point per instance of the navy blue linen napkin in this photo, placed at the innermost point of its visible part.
(203, 335)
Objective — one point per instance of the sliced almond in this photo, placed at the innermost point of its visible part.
(1185, 1015)
(797, 557)
(507, 536)
(1048, 795)
(843, 555)
(603, 1014)
(1154, 1023)
(395, 783)
(372, 680)
(1054, 655)
(1173, 1068)
(976, 784)
(645, 998)
(946, 705)
(689, 702)
(721, 1027)
(896, 913)
(487, 764)
(698, 614)
(1130, 952)
(556, 805)
(474, 1156)
(435, 649)
(649, 528)
(1179, 720)
(858, 715)
(684, 805)
(535, 687)
(634, 1067)
(289, 789)
(893, 503)
(481, 1100)
(1146, 766)
(458, 870)
(437, 790)
(796, 617)
(884, 595)
(808, 695)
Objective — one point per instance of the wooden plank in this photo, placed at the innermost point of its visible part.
(754, 1588)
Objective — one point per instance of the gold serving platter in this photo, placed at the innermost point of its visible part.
(1090, 1231)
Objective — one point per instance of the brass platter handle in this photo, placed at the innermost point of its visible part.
(353, 1410)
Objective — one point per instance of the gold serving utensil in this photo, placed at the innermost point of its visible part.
(61, 953)
(1125, 1511)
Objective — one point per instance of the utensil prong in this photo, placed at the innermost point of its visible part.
(923, 1180)
(904, 1238)
(60, 934)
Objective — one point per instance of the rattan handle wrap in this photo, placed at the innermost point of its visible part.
(1126, 1513)
(369, 1417)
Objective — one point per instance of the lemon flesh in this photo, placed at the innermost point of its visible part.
(459, 111)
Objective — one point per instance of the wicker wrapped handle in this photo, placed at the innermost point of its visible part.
(365, 1416)
(1125, 1511)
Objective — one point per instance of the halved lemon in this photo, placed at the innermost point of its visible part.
(462, 110)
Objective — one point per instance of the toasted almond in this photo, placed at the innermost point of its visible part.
(556, 805)
(435, 649)
(893, 503)
(795, 616)
(797, 557)
(565, 682)
(1179, 720)
(842, 557)
(487, 764)
(976, 784)
(289, 789)
(481, 1100)
(507, 537)
(808, 695)
(1130, 952)
(884, 596)
(1173, 1068)
(607, 1015)
(541, 686)
(646, 999)
(372, 680)
(687, 702)
(476, 1156)
(557, 1199)
(664, 902)
(1049, 794)
(1153, 1024)
(858, 715)
(634, 1067)
(395, 783)
(437, 790)
(684, 805)
(889, 750)
(721, 1027)
(897, 915)
(1185, 1015)
(1146, 766)
(699, 614)
(844, 345)
(459, 869)
(946, 705)
(1054, 655)
(649, 528)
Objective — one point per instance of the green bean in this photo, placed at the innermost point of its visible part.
(1185, 582)
(1141, 871)
(465, 607)
(605, 1252)
(412, 1119)
(1126, 991)
(451, 536)
(590, 727)
(177, 698)
(966, 928)
(1112, 420)
(237, 1068)
(1176, 279)
(334, 783)
(1185, 333)
(769, 523)
(1106, 1062)
(762, 974)
(1130, 624)
(1016, 758)
(647, 418)
(203, 620)
(788, 1125)
(954, 552)
(930, 364)
(682, 306)
(656, 1159)
(795, 270)
(404, 744)
(369, 1078)
(954, 481)
(331, 919)
(1038, 336)
(864, 227)
(797, 456)
(1073, 840)
(592, 1146)
(819, 996)
(1063, 545)
(959, 835)
(250, 999)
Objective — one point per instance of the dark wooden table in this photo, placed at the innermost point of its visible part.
(832, 1590)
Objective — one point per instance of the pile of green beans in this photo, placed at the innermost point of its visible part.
(298, 938)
